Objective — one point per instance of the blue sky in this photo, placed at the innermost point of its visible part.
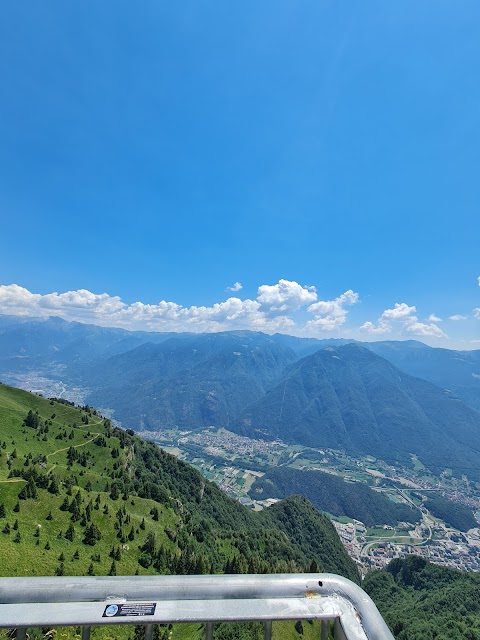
(164, 151)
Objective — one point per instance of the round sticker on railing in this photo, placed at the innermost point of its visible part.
(111, 610)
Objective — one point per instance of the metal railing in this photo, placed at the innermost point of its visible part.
(148, 600)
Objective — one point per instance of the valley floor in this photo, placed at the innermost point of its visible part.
(235, 463)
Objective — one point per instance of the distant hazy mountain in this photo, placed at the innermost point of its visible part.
(338, 395)
(306, 346)
(458, 371)
(28, 344)
(194, 381)
(348, 397)
(37, 343)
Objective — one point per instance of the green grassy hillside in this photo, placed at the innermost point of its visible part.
(79, 496)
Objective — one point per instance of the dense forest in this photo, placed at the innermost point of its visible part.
(332, 494)
(422, 601)
(454, 514)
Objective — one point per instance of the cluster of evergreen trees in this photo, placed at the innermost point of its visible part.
(422, 601)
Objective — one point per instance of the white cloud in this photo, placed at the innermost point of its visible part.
(478, 280)
(433, 318)
(457, 317)
(369, 327)
(106, 310)
(235, 287)
(476, 312)
(19, 301)
(421, 329)
(285, 296)
(400, 311)
(330, 314)
(404, 316)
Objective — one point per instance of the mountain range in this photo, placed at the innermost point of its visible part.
(388, 399)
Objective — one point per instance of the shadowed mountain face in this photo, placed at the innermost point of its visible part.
(190, 382)
(458, 371)
(350, 398)
(56, 348)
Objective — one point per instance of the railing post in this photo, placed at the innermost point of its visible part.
(209, 631)
(338, 632)
(267, 626)
(86, 633)
(21, 633)
(324, 629)
(148, 631)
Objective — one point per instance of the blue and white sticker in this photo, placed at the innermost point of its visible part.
(111, 610)
(130, 609)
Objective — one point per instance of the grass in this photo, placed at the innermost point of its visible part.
(42, 524)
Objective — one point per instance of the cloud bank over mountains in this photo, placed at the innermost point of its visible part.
(404, 317)
(286, 306)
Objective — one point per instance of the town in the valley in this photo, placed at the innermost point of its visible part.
(235, 462)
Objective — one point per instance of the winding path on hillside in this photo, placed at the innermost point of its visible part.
(75, 446)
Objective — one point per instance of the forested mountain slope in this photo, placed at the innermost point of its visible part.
(79, 496)
(348, 397)
(422, 601)
(332, 494)
(458, 371)
(190, 381)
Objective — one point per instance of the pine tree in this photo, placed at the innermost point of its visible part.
(92, 534)
(70, 532)
(2, 510)
(53, 486)
(31, 420)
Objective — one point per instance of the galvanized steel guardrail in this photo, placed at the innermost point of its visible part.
(149, 600)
